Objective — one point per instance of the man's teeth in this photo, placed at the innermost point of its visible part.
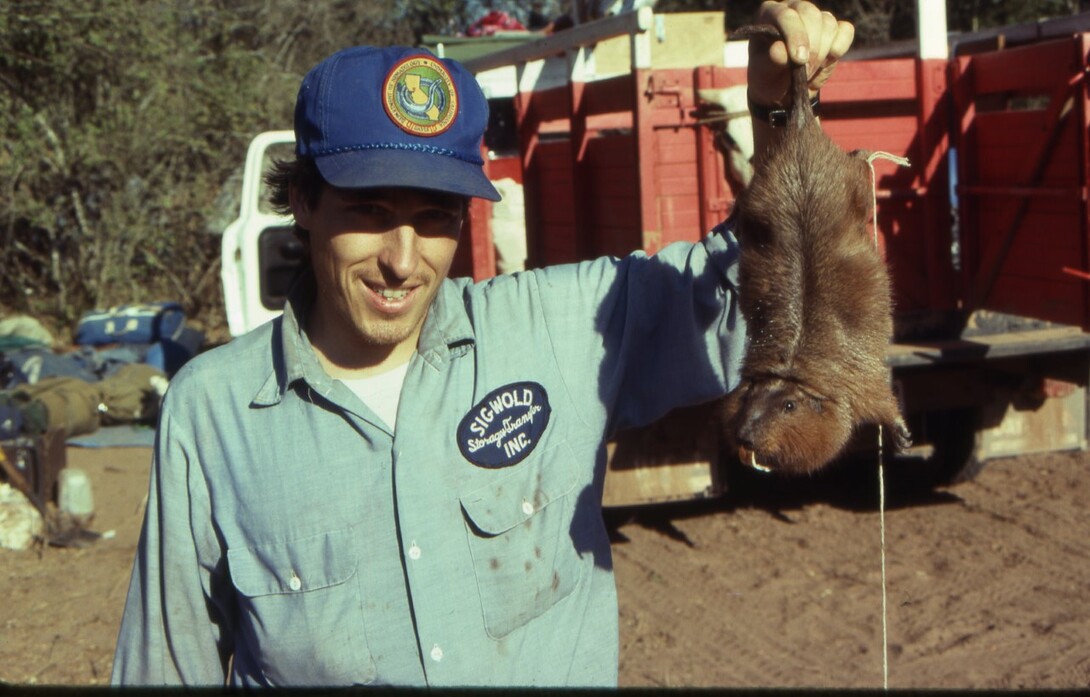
(389, 294)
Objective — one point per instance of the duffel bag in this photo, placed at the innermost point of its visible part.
(144, 323)
(72, 404)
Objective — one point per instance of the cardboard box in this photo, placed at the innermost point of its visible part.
(678, 40)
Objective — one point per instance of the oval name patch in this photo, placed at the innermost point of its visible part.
(505, 426)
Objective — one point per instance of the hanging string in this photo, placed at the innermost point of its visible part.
(882, 536)
(880, 155)
(881, 468)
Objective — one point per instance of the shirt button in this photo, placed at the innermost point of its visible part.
(527, 507)
(436, 653)
(414, 551)
(294, 583)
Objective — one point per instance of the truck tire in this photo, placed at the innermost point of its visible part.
(953, 435)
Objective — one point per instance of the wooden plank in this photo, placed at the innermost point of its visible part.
(613, 212)
(715, 193)
(675, 458)
(867, 92)
(1036, 297)
(547, 105)
(610, 96)
(1008, 145)
(1082, 121)
(1005, 345)
(680, 40)
(896, 132)
(679, 186)
(586, 34)
(612, 151)
(683, 171)
(482, 250)
(610, 122)
(618, 184)
(1024, 69)
(680, 220)
(617, 241)
(650, 231)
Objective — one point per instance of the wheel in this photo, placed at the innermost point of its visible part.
(949, 440)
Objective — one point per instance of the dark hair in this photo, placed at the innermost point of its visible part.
(300, 173)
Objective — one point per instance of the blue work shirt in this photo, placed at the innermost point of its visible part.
(291, 539)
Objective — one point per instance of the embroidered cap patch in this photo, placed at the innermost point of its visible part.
(420, 97)
(505, 426)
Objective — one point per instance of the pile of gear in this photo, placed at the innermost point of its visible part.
(116, 373)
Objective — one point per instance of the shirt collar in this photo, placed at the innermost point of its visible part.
(447, 332)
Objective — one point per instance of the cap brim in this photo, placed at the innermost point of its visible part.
(363, 169)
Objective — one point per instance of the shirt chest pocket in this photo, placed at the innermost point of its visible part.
(519, 529)
(302, 610)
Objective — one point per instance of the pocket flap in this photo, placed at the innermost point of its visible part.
(294, 566)
(514, 498)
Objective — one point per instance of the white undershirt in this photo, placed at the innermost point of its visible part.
(381, 393)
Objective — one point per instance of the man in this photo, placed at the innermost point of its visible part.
(399, 481)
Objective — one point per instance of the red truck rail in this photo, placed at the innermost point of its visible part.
(624, 163)
(986, 233)
(990, 219)
(1022, 124)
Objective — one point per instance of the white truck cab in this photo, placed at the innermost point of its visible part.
(260, 254)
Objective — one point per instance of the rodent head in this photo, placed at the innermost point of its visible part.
(783, 426)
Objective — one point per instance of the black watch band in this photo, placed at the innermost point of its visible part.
(776, 116)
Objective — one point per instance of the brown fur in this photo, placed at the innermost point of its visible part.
(816, 297)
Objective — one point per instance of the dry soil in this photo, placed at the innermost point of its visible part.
(779, 584)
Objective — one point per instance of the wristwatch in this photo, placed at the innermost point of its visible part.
(776, 116)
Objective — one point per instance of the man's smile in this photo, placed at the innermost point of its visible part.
(391, 300)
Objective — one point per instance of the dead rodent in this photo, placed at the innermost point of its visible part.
(816, 297)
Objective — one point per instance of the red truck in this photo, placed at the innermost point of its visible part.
(987, 233)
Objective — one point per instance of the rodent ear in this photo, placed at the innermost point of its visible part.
(861, 183)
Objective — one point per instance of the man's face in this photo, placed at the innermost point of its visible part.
(379, 256)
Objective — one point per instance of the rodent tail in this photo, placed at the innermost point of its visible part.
(801, 111)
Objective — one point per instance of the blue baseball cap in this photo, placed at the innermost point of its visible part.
(396, 116)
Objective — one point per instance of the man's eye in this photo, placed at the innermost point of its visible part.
(439, 215)
(436, 221)
(370, 209)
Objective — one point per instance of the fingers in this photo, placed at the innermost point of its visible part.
(825, 39)
(842, 41)
(811, 36)
(839, 36)
(801, 25)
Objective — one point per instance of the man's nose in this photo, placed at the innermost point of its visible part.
(399, 253)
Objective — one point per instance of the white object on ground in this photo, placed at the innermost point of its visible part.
(74, 495)
(20, 521)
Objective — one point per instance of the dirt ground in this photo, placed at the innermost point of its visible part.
(776, 585)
